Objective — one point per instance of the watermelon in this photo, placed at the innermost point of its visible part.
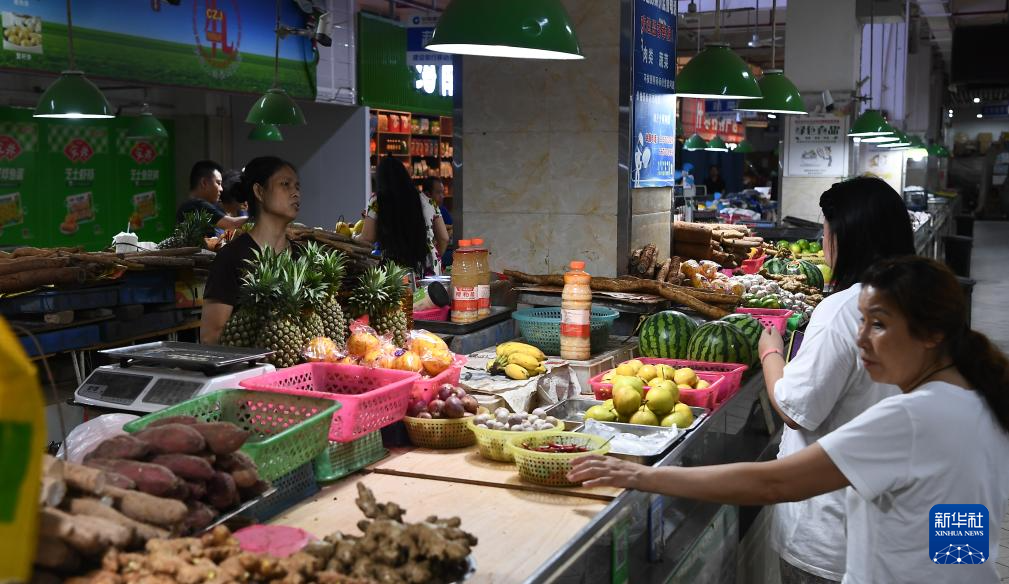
(666, 335)
(775, 266)
(814, 277)
(720, 342)
(750, 327)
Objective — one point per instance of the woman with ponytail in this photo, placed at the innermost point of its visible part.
(270, 187)
(943, 440)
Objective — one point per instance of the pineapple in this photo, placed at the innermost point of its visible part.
(190, 232)
(282, 332)
(260, 290)
(316, 290)
(378, 294)
(331, 265)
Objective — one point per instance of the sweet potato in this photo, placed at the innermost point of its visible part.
(245, 478)
(197, 489)
(173, 439)
(185, 420)
(222, 437)
(235, 461)
(255, 490)
(148, 508)
(114, 479)
(186, 466)
(200, 516)
(222, 492)
(152, 479)
(124, 446)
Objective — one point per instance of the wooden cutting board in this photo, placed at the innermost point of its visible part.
(465, 465)
(517, 530)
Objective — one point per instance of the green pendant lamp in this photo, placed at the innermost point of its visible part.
(266, 133)
(520, 29)
(716, 144)
(869, 125)
(73, 96)
(276, 106)
(146, 126)
(902, 142)
(695, 142)
(941, 152)
(717, 73)
(780, 96)
(744, 147)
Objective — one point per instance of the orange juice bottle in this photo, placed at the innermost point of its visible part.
(22, 443)
(483, 290)
(576, 313)
(465, 281)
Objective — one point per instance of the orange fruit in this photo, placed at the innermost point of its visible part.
(436, 362)
(423, 342)
(379, 358)
(361, 343)
(321, 349)
(408, 361)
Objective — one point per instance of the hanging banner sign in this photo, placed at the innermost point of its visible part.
(698, 120)
(654, 68)
(217, 44)
(419, 29)
(816, 146)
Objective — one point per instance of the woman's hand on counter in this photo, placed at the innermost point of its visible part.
(605, 471)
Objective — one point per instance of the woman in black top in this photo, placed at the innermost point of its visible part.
(270, 187)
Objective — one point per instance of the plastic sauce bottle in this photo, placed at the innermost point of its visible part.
(576, 313)
(483, 290)
(465, 281)
(22, 443)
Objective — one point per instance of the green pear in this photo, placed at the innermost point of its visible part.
(628, 381)
(667, 421)
(600, 413)
(626, 400)
(645, 417)
(661, 400)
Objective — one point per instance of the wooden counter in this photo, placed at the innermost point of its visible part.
(518, 529)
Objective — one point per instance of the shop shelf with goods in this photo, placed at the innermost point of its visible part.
(422, 141)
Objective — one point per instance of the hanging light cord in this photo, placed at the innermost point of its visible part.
(872, 50)
(276, 48)
(774, 33)
(718, 20)
(70, 38)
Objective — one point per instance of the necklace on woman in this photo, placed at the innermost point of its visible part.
(921, 380)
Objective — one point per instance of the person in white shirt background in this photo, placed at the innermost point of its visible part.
(943, 440)
(825, 385)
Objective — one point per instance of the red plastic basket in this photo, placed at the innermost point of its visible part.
(439, 314)
(776, 317)
(702, 398)
(731, 373)
(371, 398)
(425, 387)
(754, 265)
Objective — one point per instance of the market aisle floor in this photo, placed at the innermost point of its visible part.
(991, 244)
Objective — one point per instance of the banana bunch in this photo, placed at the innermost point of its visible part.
(517, 361)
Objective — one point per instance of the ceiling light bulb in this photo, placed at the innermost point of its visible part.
(977, 100)
(771, 116)
(979, 116)
(950, 114)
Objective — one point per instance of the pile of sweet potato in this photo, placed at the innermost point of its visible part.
(174, 477)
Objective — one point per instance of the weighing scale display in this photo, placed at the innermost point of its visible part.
(168, 392)
(118, 388)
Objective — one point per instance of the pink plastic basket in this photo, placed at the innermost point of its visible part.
(703, 398)
(732, 376)
(439, 314)
(425, 387)
(371, 398)
(776, 317)
(754, 265)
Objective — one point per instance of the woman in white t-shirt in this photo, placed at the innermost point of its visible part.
(825, 385)
(943, 440)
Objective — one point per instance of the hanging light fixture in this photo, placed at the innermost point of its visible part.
(779, 94)
(146, 126)
(72, 95)
(716, 144)
(695, 142)
(521, 29)
(941, 152)
(266, 133)
(890, 136)
(871, 123)
(744, 147)
(717, 72)
(276, 106)
(902, 142)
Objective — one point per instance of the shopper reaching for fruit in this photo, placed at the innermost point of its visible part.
(825, 385)
(271, 189)
(943, 439)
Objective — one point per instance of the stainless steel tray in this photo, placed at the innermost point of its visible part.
(245, 506)
(639, 430)
(572, 413)
(191, 356)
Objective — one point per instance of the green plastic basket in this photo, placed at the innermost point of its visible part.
(342, 458)
(541, 327)
(287, 431)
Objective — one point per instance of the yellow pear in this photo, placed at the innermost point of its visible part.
(683, 386)
(629, 381)
(661, 401)
(646, 372)
(645, 417)
(668, 386)
(668, 371)
(702, 384)
(635, 364)
(685, 376)
(625, 369)
(626, 401)
(600, 413)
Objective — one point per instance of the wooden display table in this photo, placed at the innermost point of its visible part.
(518, 530)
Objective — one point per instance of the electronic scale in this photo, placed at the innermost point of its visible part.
(153, 376)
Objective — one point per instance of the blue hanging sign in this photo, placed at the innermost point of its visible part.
(654, 101)
(419, 28)
(995, 110)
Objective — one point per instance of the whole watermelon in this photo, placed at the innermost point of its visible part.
(750, 327)
(720, 342)
(775, 266)
(666, 335)
(814, 277)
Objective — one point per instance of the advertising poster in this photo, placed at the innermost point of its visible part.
(653, 149)
(886, 164)
(218, 44)
(78, 184)
(22, 214)
(708, 123)
(817, 146)
(144, 193)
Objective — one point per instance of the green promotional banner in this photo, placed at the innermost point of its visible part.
(217, 44)
(79, 182)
